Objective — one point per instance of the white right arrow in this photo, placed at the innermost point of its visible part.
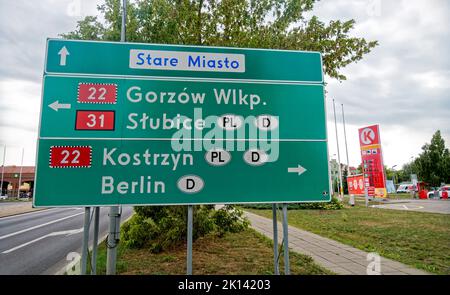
(299, 169)
(63, 53)
(56, 105)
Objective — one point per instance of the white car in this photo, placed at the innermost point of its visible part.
(3, 197)
(433, 193)
(444, 192)
(405, 188)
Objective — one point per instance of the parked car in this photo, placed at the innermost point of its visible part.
(433, 193)
(3, 197)
(444, 192)
(23, 195)
(405, 188)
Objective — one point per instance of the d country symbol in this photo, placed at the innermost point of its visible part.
(367, 136)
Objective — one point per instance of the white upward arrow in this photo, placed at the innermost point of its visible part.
(56, 105)
(299, 169)
(63, 53)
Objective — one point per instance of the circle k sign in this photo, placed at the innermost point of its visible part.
(369, 135)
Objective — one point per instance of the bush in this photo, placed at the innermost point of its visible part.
(229, 219)
(334, 204)
(158, 228)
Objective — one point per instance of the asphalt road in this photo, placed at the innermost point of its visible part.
(432, 206)
(39, 242)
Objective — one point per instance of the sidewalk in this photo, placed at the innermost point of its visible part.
(14, 208)
(337, 257)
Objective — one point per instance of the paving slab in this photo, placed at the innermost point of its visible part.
(332, 255)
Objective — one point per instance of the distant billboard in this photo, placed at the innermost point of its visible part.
(372, 160)
(355, 185)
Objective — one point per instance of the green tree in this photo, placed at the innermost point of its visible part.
(276, 24)
(344, 180)
(404, 175)
(433, 164)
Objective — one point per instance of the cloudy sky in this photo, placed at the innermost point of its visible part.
(403, 85)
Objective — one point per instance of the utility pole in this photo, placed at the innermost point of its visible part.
(395, 175)
(345, 139)
(20, 174)
(352, 197)
(114, 211)
(341, 189)
(3, 170)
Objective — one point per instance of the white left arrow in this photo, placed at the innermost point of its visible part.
(299, 169)
(56, 105)
(63, 53)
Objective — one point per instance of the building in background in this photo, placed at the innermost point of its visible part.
(11, 178)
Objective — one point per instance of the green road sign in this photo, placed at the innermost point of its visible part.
(126, 123)
(300, 108)
(150, 172)
(137, 59)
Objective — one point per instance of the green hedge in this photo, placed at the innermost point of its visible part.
(335, 204)
(160, 227)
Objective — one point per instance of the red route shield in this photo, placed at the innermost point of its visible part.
(94, 120)
(70, 157)
(97, 93)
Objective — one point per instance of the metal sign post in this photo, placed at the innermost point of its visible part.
(95, 242)
(275, 238)
(112, 240)
(189, 239)
(85, 244)
(287, 270)
(114, 215)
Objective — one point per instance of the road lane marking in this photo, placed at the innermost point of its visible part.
(38, 226)
(398, 207)
(36, 212)
(57, 233)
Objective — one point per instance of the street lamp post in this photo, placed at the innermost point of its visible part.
(341, 188)
(395, 176)
(332, 174)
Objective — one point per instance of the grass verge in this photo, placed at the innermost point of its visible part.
(243, 253)
(418, 239)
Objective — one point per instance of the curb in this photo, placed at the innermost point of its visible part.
(22, 213)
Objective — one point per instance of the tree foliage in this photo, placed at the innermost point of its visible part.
(433, 164)
(275, 24)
